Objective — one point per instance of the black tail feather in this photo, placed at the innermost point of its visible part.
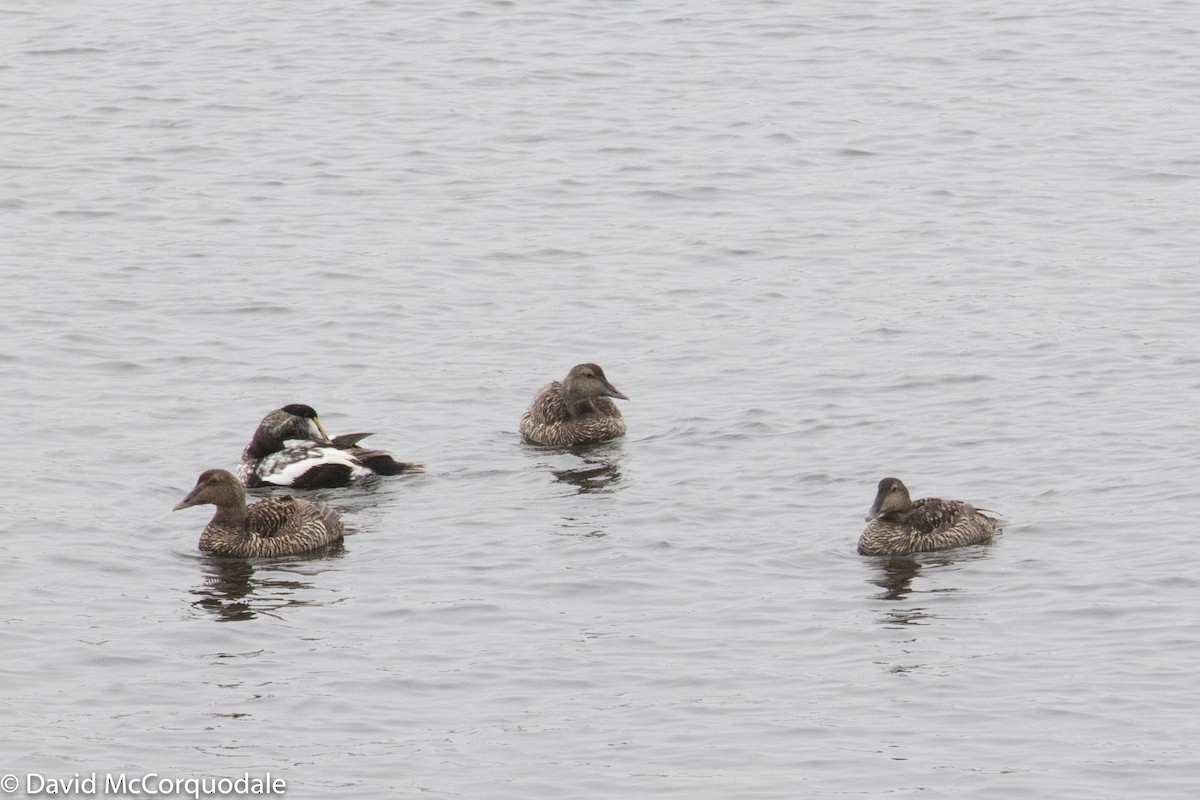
(383, 464)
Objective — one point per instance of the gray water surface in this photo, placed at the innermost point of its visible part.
(816, 244)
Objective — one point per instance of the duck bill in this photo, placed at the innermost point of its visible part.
(611, 391)
(188, 501)
(876, 511)
(321, 428)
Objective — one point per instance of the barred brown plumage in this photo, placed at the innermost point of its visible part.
(276, 526)
(575, 410)
(900, 525)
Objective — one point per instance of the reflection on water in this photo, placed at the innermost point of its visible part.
(583, 528)
(897, 573)
(595, 476)
(236, 589)
(907, 609)
(598, 474)
(601, 470)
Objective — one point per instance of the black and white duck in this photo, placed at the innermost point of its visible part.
(290, 448)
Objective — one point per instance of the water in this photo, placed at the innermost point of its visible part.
(815, 244)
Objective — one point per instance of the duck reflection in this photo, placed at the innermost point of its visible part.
(593, 477)
(235, 589)
(599, 474)
(895, 575)
(600, 471)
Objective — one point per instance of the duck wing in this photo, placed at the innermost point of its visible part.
(347, 440)
(309, 465)
(932, 514)
(380, 462)
(549, 405)
(272, 516)
(941, 524)
(284, 525)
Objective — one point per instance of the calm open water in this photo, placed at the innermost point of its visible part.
(815, 243)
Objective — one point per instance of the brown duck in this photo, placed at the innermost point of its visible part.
(575, 410)
(900, 525)
(277, 526)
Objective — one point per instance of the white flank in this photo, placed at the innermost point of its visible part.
(286, 466)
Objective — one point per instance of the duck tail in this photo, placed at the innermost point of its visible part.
(992, 515)
(331, 518)
(383, 464)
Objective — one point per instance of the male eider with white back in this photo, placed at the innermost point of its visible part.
(575, 410)
(277, 526)
(900, 525)
(290, 448)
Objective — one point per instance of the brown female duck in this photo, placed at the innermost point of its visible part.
(575, 410)
(900, 525)
(277, 526)
(291, 448)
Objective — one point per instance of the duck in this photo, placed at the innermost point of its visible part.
(899, 525)
(276, 526)
(575, 410)
(290, 448)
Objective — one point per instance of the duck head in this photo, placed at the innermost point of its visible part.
(297, 421)
(294, 421)
(891, 498)
(586, 382)
(215, 487)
